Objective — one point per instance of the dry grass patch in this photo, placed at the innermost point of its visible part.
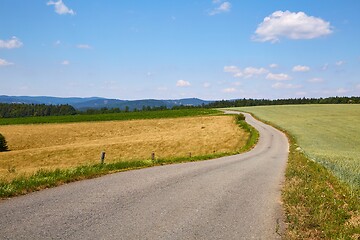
(51, 146)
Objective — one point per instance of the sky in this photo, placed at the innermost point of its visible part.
(208, 49)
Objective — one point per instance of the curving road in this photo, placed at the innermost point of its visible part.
(235, 197)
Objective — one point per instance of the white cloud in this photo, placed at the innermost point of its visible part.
(4, 63)
(273, 65)
(339, 63)
(65, 62)
(316, 80)
(280, 85)
(183, 83)
(231, 69)
(300, 68)
(206, 85)
(61, 8)
(246, 73)
(84, 46)
(291, 25)
(224, 7)
(14, 42)
(278, 77)
(229, 90)
(251, 71)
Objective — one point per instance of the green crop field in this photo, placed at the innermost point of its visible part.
(329, 134)
(110, 116)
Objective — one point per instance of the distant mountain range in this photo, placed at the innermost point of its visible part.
(97, 103)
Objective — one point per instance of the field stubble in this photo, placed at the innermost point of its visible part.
(52, 146)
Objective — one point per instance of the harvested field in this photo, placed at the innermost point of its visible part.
(51, 146)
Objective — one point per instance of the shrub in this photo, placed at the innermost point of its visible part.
(3, 144)
(240, 117)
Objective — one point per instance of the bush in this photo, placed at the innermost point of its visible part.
(240, 117)
(3, 144)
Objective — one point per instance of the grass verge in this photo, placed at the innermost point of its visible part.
(317, 204)
(45, 179)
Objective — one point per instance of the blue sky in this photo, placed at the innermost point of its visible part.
(210, 49)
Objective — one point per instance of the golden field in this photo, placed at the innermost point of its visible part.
(66, 145)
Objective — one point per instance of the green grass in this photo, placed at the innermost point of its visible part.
(317, 204)
(328, 134)
(110, 117)
(321, 194)
(46, 179)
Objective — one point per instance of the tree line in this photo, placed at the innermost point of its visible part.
(30, 110)
(15, 110)
(292, 101)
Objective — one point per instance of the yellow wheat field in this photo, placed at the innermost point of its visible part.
(50, 146)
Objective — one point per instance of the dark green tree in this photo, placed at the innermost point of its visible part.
(3, 144)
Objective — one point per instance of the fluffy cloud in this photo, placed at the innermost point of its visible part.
(231, 69)
(278, 77)
(206, 85)
(14, 42)
(300, 68)
(291, 25)
(83, 46)
(246, 73)
(4, 63)
(65, 62)
(251, 71)
(183, 83)
(229, 90)
(339, 63)
(61, 8)
(274, 65)
(280, 85)
(316, 80)
(223, 7)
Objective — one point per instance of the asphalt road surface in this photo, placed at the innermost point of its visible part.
(235, 197)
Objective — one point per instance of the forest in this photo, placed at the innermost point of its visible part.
(291, 101)
(15, 110)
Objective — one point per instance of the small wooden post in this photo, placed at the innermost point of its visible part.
(102, 157)
(189, 154)
(153, 156)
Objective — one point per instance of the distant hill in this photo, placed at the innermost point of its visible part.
(97, 103)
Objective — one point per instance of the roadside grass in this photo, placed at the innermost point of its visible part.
(50, 178)
(111, 116)
(318, 204)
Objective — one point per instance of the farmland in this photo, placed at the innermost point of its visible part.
(321, 191)
(109, 116)
(68, 145)
(329, 134)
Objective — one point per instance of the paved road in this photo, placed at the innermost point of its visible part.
(236, 197)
